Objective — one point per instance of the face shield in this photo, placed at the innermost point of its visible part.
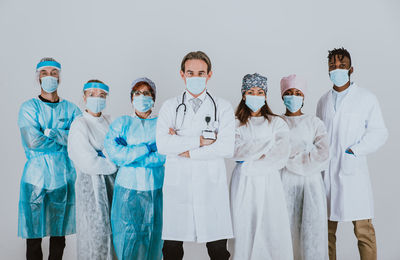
(95, 96)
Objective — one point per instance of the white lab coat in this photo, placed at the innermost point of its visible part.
(357, 124)
(304, 187)
(260, 219)
(94, 187)
(195, 191)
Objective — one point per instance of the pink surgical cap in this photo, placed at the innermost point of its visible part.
(293, 81)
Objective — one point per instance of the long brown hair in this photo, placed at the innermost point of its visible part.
(243, 112)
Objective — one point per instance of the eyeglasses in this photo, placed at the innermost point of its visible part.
(144, 93)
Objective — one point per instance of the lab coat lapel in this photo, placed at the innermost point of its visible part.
(344, 105)
(203, 111)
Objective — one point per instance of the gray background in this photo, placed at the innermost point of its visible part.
(118, 41)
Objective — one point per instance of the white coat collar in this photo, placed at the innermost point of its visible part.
(93, 118)
(202, 97)
(349, 89)
(151, 116)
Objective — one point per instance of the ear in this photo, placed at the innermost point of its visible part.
(182, 75)
(209, 75)
(84, 98)
(351, 70)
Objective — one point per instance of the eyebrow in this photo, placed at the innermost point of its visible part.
(334, 63)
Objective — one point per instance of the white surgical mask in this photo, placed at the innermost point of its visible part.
(293, 103)
(339, 77)
(196, 85)
(49, 84)
(95, 104)
(143, 103)
(255, 102)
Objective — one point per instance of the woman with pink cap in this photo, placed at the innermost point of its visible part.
(301, 178)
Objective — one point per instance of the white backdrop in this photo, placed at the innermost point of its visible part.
(118, 41)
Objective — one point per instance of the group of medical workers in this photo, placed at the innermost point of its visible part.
(139, 186)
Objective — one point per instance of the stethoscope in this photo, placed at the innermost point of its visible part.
(182, 104)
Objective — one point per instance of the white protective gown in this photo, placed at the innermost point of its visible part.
(94, 187)
(260, 219)
(304, 187)
(195, 191)
(357, 124)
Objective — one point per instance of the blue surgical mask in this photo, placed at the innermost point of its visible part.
(49, 84)
(255, 102)
(95, 104)
(196, 85)
(293, 103)
(339, 77)
(143, 103)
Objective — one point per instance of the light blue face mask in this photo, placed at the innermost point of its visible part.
(255, 102)
(49, 84)
(95, 104)
(339, 77)
(196, 85)
(142, 103)
(293, 103)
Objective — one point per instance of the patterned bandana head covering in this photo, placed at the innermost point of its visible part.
(254, 80)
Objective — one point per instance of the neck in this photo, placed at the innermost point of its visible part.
(53, 97)
(342, 88)
(93, 114)
(256, 114)
(143, 115)
(297, 113)
(198, 95)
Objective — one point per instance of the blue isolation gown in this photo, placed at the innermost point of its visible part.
(47, 196)
(136, 214)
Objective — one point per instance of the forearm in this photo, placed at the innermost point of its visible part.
(221, 148)
(175, 144)
(37, 141)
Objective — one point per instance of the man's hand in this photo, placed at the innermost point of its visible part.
(262, 157)
(185, 154)
(50, 133)
(204, 142)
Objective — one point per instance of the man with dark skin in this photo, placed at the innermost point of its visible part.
(356, 128)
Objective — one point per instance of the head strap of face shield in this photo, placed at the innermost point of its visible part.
(97, 85)
(48, 63)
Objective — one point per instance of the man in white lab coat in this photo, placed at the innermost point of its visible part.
(196, 132)
(355, 124)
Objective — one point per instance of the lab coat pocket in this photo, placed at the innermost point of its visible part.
(349, 164)
(353, 125)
